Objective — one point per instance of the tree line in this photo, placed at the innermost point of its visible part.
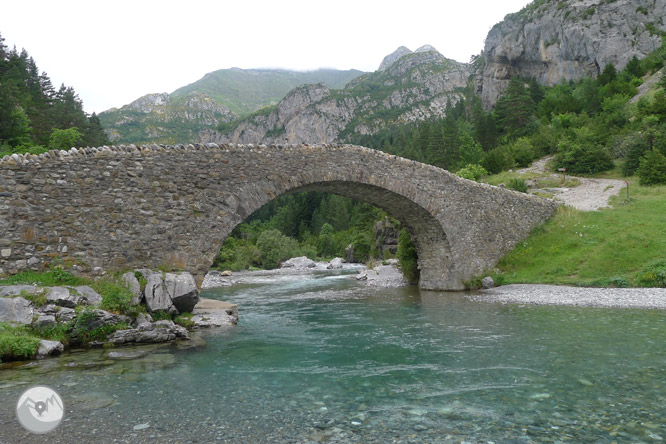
(34, 115)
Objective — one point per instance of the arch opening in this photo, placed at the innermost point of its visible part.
(430, 242)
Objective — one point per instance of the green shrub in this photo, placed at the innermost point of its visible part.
(472, 172)
(59, 332)
(579, 159)
(619, 282)
(64, 139)
(522, 152)
(517, 185)
(275, 247)
(497, 160)
(653, 275)
(652, 169)
(408, 257)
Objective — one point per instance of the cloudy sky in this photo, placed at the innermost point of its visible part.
(114, 52)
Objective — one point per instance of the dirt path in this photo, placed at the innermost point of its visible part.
(591, 194)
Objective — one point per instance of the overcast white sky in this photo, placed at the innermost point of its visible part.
(113, 52)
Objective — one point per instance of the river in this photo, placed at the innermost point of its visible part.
(323, 358)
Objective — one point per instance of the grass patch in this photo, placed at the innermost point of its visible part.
(56, 276)
(553, 182)
(116, 297)
(16, 343)
(609, 247)
(507, 176)
(59, 332)
(184, 320)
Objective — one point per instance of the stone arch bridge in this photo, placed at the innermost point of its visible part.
(172, 206)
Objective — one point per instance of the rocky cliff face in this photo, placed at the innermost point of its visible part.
(160, 118)
(555, 41)
(417, 86)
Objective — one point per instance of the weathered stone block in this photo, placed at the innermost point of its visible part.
(90, 296)
(63, 297)
(131, 282)
(157, 298)
(16, 310)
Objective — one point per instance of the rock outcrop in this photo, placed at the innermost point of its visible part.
(159, 117)
(555, 41)
(386, 238)
(393, 57)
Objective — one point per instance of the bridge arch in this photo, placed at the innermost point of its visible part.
(151, 206)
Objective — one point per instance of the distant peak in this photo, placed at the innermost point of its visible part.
(393, 57)
(426, 48)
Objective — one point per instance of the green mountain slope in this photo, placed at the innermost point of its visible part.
(219, 97)
(246, 90)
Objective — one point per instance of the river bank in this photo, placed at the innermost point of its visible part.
(535, 294)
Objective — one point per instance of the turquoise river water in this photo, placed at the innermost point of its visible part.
(322, 358)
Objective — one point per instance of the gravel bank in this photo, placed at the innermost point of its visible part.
(654, 298)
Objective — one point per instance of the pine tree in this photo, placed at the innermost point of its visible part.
(94, 134)
(515, 109)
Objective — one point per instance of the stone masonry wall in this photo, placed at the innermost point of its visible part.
(172, 206)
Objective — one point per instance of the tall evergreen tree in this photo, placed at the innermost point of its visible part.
(94, 134)
(515, 109)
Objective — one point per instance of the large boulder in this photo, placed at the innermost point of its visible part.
(157, 298)
(63, 297)
(335, 264)
(131, 282)
(49, 348)
(90, 296)
(299, 263)
(16, 310)
(182, 290)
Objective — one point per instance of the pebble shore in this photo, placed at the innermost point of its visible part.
(652, 298)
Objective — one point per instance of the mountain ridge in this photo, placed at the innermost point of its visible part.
(218, 97)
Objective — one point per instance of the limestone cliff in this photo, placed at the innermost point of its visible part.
(416, 86)
(555, 41)
(161, 118)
